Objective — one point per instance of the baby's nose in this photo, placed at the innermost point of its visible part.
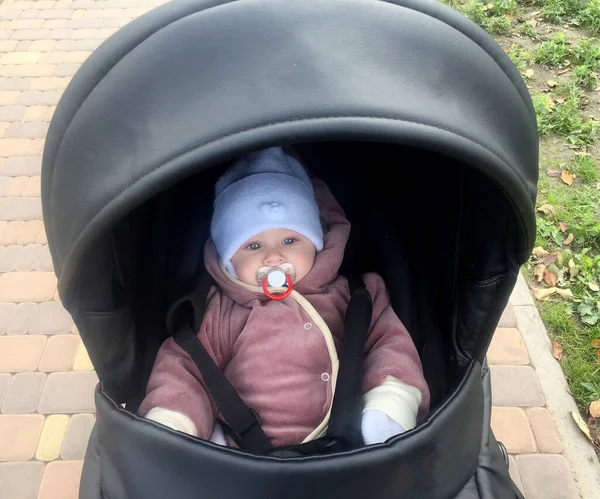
(274, 258)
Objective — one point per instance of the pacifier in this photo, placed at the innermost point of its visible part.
(277, 277)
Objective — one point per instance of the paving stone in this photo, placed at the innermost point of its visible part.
(544, 430)
(9, 256)
(20, 480)
(5, 182)
(59, 353)
(68, 393)
(25, 165)
(29, 257)
(61, 480)
(3, 127)
(51, 439)
(30, 231)
(22, 318)
(82, 359)
(27, 286)
(12, 113)
(19, 208)
(30, 34)
(32, 130)
(15, 188)
(23, 394)
(8, 45)
(11, 232)
(508, 318)
(27, 70)
(42, 45)
(507, 348)
(72, 45)
(15, 83)
(25, 24)
(33, 185)
(514, 473)
(54, 24)
(42, 238)
(7, 311)
(19, 435)
(521, 295)
(511, 427)
(49, 113)
(56, 14)
(4, 382)
(29, 14)
(20, 147)
(66, 69)
(8, 97)
(22, 57)
(50, 83)
(34, 114)
(547, 476)
(20, 353)
(506, 378)
(45, 260)
(51, 318)
(77, 437)
(3, 223)
(23, 45)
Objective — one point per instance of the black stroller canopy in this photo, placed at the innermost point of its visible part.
(196, 83)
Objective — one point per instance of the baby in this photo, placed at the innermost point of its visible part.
(281, 354)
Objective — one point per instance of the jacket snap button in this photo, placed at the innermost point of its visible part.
(325, 377)
(307, 326)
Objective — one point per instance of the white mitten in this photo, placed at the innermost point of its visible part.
(377, 427)
(218, 436)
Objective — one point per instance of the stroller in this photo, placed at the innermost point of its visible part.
(425, 133)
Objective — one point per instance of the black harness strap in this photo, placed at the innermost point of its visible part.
(243, 421)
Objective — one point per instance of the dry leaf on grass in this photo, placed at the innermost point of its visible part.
(567, 177)
(568, 240)
(542, 294)
(539, 271)
(557, 350)
(548, 259)
(550, 278)
(538, 252)
(582, 426)
(573, 269)
(548, 210)
(553, 173)
(596, 344)
(595, 409)
(565, 293)
(563, 226)
(529, 73)
(551, 83)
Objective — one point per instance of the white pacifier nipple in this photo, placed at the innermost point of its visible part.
(276, 278)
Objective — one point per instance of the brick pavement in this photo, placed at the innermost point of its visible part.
(46, 378)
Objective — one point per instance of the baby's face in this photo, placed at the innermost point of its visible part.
(270, 249)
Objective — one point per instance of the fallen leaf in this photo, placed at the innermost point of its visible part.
(596, 344)
(542, 294)
(553, 173)
(559, 257)
(598, 185)
(566, 177)
(581, 423)
(548, 210)
(568, 240)
(529, 73)
(593, 286)
(568, 388)
(538, 252)
(595, 409)
(563, 71)
(544, 191)
(551, 83)
(550, 278)
(557, 350)
(548, 259)
(538, 272)
(533, 14)
(573, 270)
(592, 423)
(565, 293)
(563, 226)
(560, 100)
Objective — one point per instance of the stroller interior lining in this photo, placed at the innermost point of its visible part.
(437, 231)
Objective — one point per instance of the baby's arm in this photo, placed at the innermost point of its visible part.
(176, 395)
(393, 383)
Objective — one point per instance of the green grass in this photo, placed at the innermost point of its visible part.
(565, 118)
(585, 52)
(586, 168)
(497, 18)
(554, 52)
(589, 15)
(579, 362)
(584, 77)
(520, 57)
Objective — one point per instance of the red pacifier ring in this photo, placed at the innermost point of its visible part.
(281, 296)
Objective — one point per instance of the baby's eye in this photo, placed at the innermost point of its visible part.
(253, 246)
(289, 240)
